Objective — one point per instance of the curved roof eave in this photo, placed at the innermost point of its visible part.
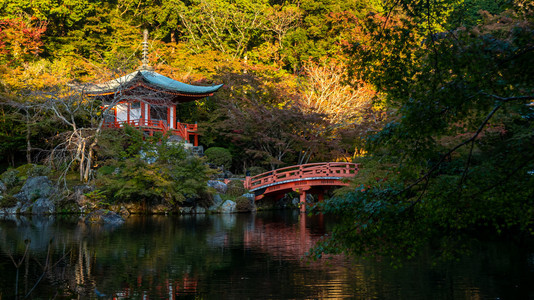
(154, 79)
(174, 85)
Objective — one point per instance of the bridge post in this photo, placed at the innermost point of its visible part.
(246, 184)
(303, 202)
(320, 196)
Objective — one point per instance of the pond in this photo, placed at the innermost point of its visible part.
(238, 256)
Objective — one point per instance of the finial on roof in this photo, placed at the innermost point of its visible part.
(145, 51)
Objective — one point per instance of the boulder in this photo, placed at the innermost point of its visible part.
(37, 187)
(105, 217)
(217, 199)
(228, 207)
(186, 210)
(9, 210)
(43, 206)
(200, 210)
(3, 187)
(81, 200)
(36, 197)
(219, 186)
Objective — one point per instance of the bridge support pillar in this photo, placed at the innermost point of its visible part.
(320, 196)
(303, 202)
(302, 193)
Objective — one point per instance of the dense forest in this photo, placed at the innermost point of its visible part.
(433, 98)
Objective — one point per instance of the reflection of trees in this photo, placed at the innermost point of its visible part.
(123, 260)
(231, 256)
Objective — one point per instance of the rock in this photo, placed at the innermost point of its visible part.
(80, 198)
(161, 209)
(219, 186)
(3, 187)
(217, 200)
(228, 207)
(9, 210)
(37, 187)
(214, 208)
(295, 201)
(134, 208)
(43, 206)
(250, 196)
(124, 212)
(186, 210)
(24, 207)
(35, 197)
(200, 210)
(102, 216)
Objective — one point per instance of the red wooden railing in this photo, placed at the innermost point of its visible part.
(301, 172)
(182, 129)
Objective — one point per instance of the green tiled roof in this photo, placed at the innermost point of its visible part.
(154, 79)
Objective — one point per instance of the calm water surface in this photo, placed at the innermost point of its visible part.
(240, 256)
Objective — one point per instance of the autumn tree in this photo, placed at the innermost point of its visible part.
(328, 92)
(21, 39)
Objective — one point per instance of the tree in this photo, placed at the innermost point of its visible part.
(274, 135)
(453, 159)
(149, 170)
(327, 93)
(230, 27)
(20, 39)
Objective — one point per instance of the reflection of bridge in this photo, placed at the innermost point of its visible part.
(302, 179)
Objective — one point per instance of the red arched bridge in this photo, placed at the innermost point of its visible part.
(302, 179)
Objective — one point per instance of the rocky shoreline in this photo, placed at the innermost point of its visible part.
(39, 196)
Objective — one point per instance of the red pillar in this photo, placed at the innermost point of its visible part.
(303, 202)
(196, 140)
(128, 113)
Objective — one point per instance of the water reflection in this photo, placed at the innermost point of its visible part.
(232, 257)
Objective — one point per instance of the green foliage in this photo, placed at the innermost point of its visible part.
(242, 204)
(96, 196)
(106, 170)
(219, 156)
(151, 171)
(33, 170)
(256, 170)
(454, 160)
(235, 188)
(8, 201)
(10, 178)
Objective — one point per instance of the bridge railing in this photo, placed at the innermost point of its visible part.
(315, 170)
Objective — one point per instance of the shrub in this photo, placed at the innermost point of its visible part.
(206, 198)
(38, 170)
(235, 188)
(243, 203)
(8, 201)
(106, 170)
(10, 178)
(219, 157)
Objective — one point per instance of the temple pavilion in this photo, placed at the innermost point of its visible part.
(147, 100)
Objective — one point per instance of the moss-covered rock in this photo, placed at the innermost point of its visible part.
(235, 188)
(243, 204)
